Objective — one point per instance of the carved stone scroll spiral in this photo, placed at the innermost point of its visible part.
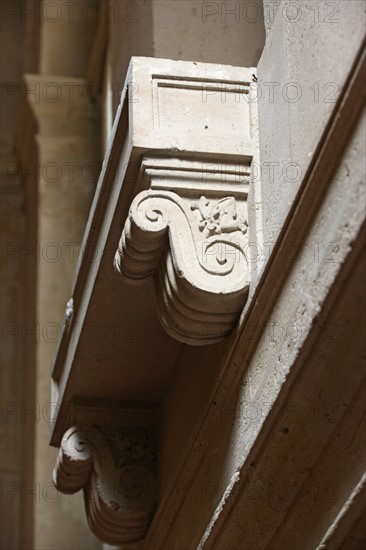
(116, 475)
(199, 261)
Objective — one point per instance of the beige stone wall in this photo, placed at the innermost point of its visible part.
(299, 94)
(188, 30)
(69, 159)
(14, 398)
(16, 377)
(63, 210)
(50, 161)
(249, 481)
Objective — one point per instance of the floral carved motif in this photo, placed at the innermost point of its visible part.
(219, 217)
(132, 447)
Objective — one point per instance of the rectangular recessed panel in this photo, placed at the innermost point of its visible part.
(202, 107)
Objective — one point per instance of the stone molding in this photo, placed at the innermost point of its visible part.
(116, 470)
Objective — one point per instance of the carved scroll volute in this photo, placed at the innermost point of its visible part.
(116, 473)
(195, 247)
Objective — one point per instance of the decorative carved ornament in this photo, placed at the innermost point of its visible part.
(194, 245)
(115, 469)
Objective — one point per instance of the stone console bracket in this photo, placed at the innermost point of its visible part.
(116, 469)
(188, 219)
(193, 243)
